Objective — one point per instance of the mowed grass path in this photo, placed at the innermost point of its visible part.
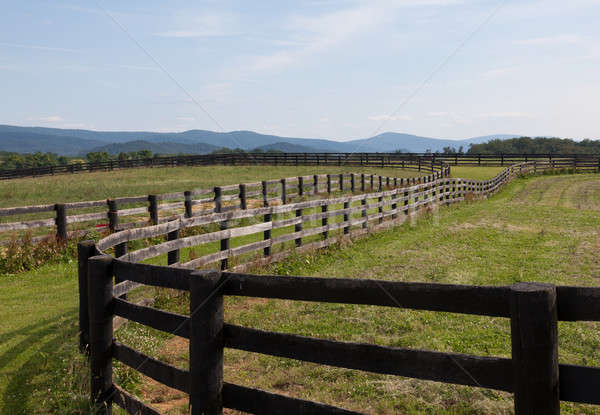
(538, 229)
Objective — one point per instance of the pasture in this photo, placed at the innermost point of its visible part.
(536, 229)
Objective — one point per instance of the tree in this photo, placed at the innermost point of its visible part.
(97, 156)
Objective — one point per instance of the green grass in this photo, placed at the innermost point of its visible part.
(538, 229)
(475, 173)
(143, 181)
(41, 371)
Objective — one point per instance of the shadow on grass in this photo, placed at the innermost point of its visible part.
(47, 374)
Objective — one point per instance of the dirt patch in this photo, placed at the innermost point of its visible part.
(501, 226)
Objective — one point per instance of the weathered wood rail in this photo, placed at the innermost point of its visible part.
(533, 374)
(154, 209)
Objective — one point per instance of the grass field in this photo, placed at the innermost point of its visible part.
(143, 181)
(536, 229)
(540, 229)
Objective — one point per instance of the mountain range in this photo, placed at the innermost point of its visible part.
(79, 142)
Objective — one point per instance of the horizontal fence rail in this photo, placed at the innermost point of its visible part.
(125, 212)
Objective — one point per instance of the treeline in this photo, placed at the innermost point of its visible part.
(538, 145)
(10, 161)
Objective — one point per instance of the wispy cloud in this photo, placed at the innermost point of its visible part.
(509, 114)
(550, 40)
(39, 47)
(47, 118)
(204, 25)
(383, 117)
(312, 35)
(437, 114)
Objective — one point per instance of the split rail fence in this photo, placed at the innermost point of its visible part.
(149, 209)
(579, 161)
(533, 373)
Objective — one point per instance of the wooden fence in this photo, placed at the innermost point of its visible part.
(149, 209)
(533, 373)
(405, 160)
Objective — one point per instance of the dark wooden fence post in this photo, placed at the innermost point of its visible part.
(283, 192)
(267, 235)
(363, 212)
(324, 221)
(206, 343)
(300, 186)
(173, 256)
(346, 218)
(100, 296)
(61, 222)
(316, 184)
(153, 209)
(362, 182)
(395, 204)
(372, 182)
(85, 250)
(298, 227)
(188, 203)
(223, 225)
(243, 201)
(113, 215)
(341, 182)
(380, 208)
(380, 183)
(534, 336)
(264, 193)
(329, 184)
(352, 183)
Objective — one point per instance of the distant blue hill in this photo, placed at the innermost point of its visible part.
(73, 142)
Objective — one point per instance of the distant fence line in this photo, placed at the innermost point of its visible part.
(348, 159)
(202, 201)
(533, 373)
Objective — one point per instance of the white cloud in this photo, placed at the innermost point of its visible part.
(185, 118)
(550, 40)
(498, 73)
(437, 114)
(316, 34)
(39, 47)
(48, 118)
(390, 117)
(204, 25)
(513, 114)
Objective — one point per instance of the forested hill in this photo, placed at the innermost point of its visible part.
(528, 145)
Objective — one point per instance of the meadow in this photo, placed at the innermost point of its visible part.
(536, 229)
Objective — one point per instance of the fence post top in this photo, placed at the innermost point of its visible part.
(524, 287)
(103, 259)
(87, 243)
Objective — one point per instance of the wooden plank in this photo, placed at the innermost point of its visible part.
(177, 278)
(256, 401)
(86, 217)
(466, 299)
(164, 373)
(15, 226)
(578, 303)
(172, 323)
(461, 369)
(579, 384)
(124, 287)
(130, 403)
(86, 204)
(26, 209)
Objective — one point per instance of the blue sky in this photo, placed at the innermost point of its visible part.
(329, 69)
